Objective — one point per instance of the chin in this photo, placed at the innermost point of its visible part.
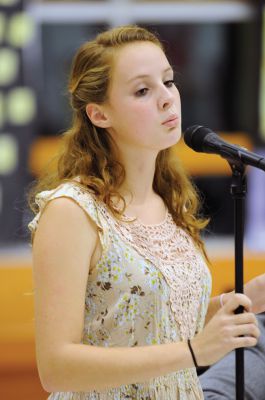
(168, 145)
(173, 138)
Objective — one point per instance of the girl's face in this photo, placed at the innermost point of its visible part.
(143, 105)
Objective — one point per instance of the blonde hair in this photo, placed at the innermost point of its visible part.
(90, 153)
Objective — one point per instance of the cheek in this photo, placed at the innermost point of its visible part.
(137, 123)
(142, 113)
(131, 116)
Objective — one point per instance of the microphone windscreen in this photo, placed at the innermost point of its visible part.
(194, 136)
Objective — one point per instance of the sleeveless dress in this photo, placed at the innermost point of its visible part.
(150, 286)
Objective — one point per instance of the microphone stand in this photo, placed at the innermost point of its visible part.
(238, 191)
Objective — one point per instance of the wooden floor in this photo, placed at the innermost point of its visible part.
(18, 372)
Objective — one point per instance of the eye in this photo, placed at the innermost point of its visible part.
(169, 83)
(141, 92)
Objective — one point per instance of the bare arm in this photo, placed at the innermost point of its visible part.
(62, 251)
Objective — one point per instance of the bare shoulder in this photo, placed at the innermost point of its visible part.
(65, 207)
(65, 236)
(63, 220)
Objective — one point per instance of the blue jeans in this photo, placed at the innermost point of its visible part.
(218, 382)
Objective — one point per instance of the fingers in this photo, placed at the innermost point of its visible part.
(247, 330)
(244, 318)
(245, 341)
(241, 330)
(238, 299)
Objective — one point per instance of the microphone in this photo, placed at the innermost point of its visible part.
(203, 140)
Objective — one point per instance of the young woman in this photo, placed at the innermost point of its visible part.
(121, 280)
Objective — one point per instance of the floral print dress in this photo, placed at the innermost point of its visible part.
(150, 286)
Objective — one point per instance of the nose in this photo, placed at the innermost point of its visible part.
(166, 98)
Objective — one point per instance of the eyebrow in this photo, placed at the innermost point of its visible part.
(146, 76)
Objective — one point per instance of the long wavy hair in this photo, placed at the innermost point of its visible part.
(90, 153)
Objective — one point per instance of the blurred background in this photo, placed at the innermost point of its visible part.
(218, 51)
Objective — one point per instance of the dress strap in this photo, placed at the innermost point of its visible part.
(75, 192)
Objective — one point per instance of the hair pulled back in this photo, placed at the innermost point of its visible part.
(90, 153)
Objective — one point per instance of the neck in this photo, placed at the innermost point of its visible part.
(137, 189)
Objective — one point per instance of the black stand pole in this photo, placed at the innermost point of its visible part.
(238, 192)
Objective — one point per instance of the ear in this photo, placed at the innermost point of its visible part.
(97, 115)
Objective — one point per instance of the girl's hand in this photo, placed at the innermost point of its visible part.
(226, 331)
(255, 291)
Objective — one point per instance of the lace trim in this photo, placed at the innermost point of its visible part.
(172, 250)
(126, 218)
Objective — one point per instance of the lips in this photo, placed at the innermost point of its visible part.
(172, 120)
